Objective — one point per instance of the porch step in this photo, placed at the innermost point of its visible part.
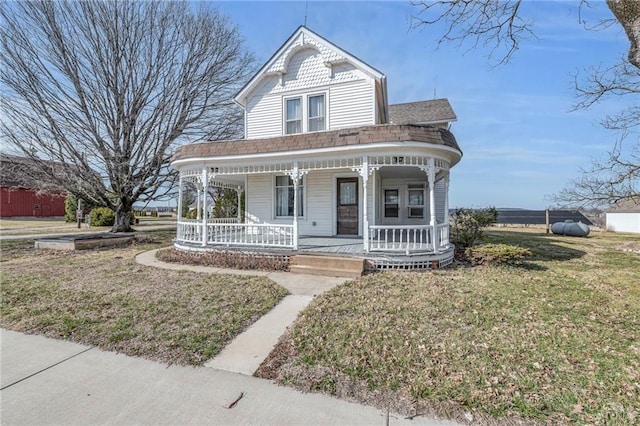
(331, 266)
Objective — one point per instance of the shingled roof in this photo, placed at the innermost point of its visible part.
(305, 141)
(422, 112)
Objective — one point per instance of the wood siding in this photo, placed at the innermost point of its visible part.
(352, 105)
(350, 95)
(26, 202)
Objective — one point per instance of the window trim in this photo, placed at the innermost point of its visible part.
(304, 104)
(397, 203)
(301, 202)
(286, 115)
(416, 187)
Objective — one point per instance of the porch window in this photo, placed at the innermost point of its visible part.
(415, 199)
(284, 196)
(316, 113)
(391, 200)
(294, 116)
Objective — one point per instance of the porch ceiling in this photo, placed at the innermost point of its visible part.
(391, 172)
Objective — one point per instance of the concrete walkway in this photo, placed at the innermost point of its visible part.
(247, 351)
(46, 382)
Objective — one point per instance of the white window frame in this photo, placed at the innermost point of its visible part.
(305, 118)
(286, 116)
(397, 203)
(416, 187)
(301, 196)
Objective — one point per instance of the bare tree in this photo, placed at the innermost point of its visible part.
(499, 26)
(106, 89)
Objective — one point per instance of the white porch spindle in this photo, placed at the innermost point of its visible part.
(432, 202)
(364, 173)
(205, 188)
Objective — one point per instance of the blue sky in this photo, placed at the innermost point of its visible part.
(520, 140)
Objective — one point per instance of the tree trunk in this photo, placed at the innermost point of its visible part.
(123, 219)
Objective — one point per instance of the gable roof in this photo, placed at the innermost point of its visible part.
(422, 112)
(303, 38)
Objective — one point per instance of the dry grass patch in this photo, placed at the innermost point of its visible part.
(556, 340)
(103, 298)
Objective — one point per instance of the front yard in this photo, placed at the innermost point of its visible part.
(556, 340)
(103, 298)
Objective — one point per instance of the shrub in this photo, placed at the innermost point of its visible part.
(102, 216)
(496, 254)
(467, 224)
(71, 206)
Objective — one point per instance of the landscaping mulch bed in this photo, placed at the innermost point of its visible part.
(227, 259)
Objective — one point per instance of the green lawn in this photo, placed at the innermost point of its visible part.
(556, 340)
(103, 298)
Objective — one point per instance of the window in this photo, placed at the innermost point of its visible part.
(305, 113)
(391, 203)
(294, 116)
(284, 196)
(316, 113)
(415, 199)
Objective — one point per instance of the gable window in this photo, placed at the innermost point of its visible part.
(284, 196)
(415, 200)
(316, 113)
(294, 116)
(391, 201)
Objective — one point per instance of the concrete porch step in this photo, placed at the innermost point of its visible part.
(333, 266)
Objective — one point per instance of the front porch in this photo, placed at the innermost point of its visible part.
(387, 247)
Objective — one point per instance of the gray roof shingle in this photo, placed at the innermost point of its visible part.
(422, 112)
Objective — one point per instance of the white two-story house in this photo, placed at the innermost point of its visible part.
(327, 162)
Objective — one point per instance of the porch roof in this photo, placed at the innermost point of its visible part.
(366, 135)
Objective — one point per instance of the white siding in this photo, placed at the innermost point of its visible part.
(352, 105)
(623, 222)
(319, 193)
(264, 117)
(259, 198)
(440, 194)
(350, 95)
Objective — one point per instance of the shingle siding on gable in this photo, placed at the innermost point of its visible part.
(351, 95)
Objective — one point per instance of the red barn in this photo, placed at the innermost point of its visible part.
(18, 198)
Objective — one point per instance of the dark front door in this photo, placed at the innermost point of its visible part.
(347, 206)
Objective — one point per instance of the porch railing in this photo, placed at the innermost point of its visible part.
(229, 232)
(407, 238)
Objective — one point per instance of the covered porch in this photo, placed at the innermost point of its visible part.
(368, 195)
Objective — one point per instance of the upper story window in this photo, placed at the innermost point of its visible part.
(294, 116)
(305, 114)
(316, 113)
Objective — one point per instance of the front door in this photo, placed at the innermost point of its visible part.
(347, 206)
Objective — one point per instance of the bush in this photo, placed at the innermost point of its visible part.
(102, 216)
(71, 206)
(496, 254)
(467, 224)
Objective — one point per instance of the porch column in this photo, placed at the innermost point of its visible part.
(295, 177)
(179, 212)
(364, 173)
(205, 189)
(432, 202)
(239, 195)
(198, 193)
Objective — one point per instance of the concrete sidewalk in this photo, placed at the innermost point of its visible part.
(46, 381)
